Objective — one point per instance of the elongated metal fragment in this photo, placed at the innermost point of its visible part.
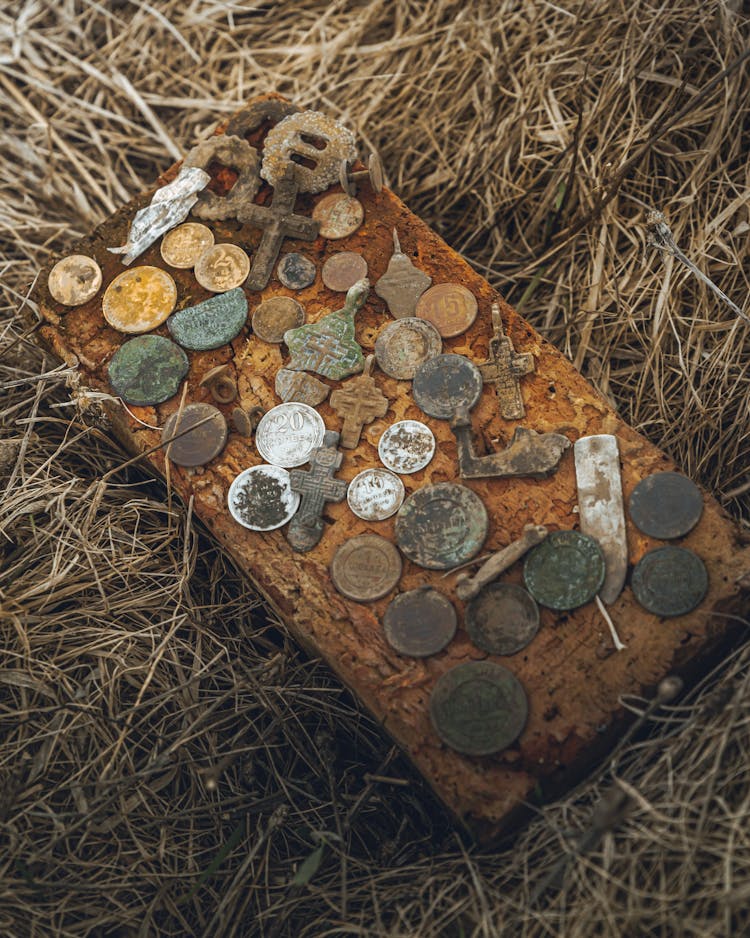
(467, 586)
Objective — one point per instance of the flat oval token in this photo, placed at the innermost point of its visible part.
(375, 494)
(338, 215)
(74, 280)
(366, 568)
(406, 446)
(419, 623)
(404, 345)
(139, 299)
(478, 708)
(502, 618)
(222, 267)
(182, 246)
(450, 307)
(210, 324)
(288, 433)
(261, 498)
(198, 446)
(147, 370)
(666, 505)
(670, 581)
(342, 271)
(441, 526)
(295, 271)
(445, 383)
(274, 316)
(565, 571)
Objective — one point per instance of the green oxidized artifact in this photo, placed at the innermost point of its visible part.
(565, 571)
(212, 323)
(147, 370)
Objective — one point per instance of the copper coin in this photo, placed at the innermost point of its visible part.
(666, 505)
(182, 246)
(296, 271)
(222, 267)
(404, 345)
(343, 270)
(441, 526)
(365, 568)
(445, 383)
(275, 315)
(74, 280)
(502, 618)
(339, 215)
(450, 307)
(198, 446)
(565, 571)
(139, 299)
(670, 581)
(419, 623)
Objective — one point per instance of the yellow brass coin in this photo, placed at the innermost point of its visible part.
(74, 280)
(139, 299)
(222, 267)
(182, 246)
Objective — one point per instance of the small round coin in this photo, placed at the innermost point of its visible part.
(288, 433)
(275, 315)
(147, 370)
(365, 568)
(182, 246)
(339, 215)
(406, 446)
(670, 581)
(450, 307)
(139, 299)
(197, 446)
(222, 267)
(375, 494)
(446, 382)
(343, 270)
(478, 708)
(502, 618)
(419, 623)
(261, 498)
(565, 571)
(666, 505)
(295, 271)
(441, 526)
(74, 280)
(404, 345)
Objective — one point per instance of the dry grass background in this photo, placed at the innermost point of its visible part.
(170, 764)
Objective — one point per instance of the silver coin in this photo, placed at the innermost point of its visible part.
(288, 433)
(406, 446)
(375, 494)
(261, 498)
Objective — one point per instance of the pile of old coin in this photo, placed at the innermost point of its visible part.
(479, 707)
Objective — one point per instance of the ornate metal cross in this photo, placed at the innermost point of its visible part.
(316, 487)
(504, 367)
(359, 402)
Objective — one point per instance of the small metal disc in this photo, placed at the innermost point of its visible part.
(275, 315)
(666, 505)
(74, 280)
(339, 215)
(343, 270)
(502, 618)
(199, 446)
(441, 526)
(139, 299)
(450, 307)
(404, 345)
(210, 324)
(375, 169)
(295, 271)
(147, 370)
(222, 267)
(365, 568)
(670, 581)
(446, 382)
(375, 494)
(261, 498)
(565, 571)
(419, 623)
(182, 246)
(288, 433)
(478, 708)
(406, 446)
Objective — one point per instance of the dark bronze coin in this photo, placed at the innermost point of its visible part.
(445, 383)
(670, 581)
(565, 571)
(502, 618)
(365, 568)
(419, 623)
(478, 708)
(147, 370)
(295, 271)
(666, 505)
(441, 526)
(200, 445)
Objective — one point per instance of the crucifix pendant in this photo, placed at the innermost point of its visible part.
(316, 487)
(359, 402)
(504, 367)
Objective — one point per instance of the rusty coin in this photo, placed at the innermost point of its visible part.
(450, 307)
(295, 271)
(74, 280)
(666, 505)
(200, 445)
(343, 270)
(274, 316)
(441, 526)
(670, 581)
(261, 498)
(445, 383)
(375, 494)
(502, 618)
(406, 446)
(147, 370)
(139, 299)
(419, 623)
(565, 571)
(365, 568)
(404, 345)
(222, 267)
(339, 215)
(182, 246)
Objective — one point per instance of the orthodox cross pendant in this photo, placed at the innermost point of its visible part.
(316, 487)
(504, 367)
(359, 402)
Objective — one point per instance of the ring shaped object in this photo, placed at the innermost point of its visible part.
(300, 135)
(234, 152)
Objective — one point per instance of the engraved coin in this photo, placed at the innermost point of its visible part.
(200, 445)
(365, 568)
(441, 526)
(182, 246)
(419, 623)
(445, 383)
(666, 505)
(404, 345)
(375, 494)
(450, 307)
(212, 323)
(147, 370)
(478, 708)
(343, 270)
(288, 433)
(406, 446)
(670, 581)
(261, 498)
(339, 215)
(565, 571)
(222, 267)
(74, 280)
(275, 315)
(139, 299)
(295, 271)
(502, 618)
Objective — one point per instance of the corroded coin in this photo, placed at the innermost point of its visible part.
(197, 446)
(441, 526)
(74, 280)
(343, 270)
(666, 505)
(339, 215)
(406, 446)
(288, 433)
(478, 708)
(365, 568)
(182, 246)
(404, 345)
(450, 307)
(375, 494)
(139, 299)
(222, 267)
(565, 571)
(445, 383)
(147, 370)
(419, 623)
(275, 315)
(670, 581)
(502, 618)
(295, 271)
(261, 498)
(212, 323)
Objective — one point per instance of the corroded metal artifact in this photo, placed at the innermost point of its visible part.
(275, 316)
(375, 494)
(74, 280)
(288, 434)
(468, 586)
(502, 618)
(565, 571)
(446, 383)
(404, 345)
(358, 402)
(339, 215)
(210, 324)
(406, 446)
(296, 271)
(201, 434)
(182, 246)
(229, 151)
(316, 487)
(670, 581)
(420, 622)
(261, 499)
(450, 307)
(366, 568)
(441, 526)
(139, 299)
(147, 370)
(319, 144)
(402, 284)
(666, 505)
(341, 271)
(222, 267)
(301, 387)
(504, 368)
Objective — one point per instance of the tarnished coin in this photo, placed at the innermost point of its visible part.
(445, 383)
(406, 446)
(666, 505)
(405, 344)
(441, 526)
(74, 280)
(182, 246)
(339, 215)
(147, 370)
(375, 494)
(478, 708)
(198, 446)
(343, 270)
(288, 433)
(295, 271)
(419, 623)
(222, 267)
(502, 618)
(212, 323)
(365, 568)
(670, 581)
(450, 307)
(275, 315)
(139, 299)
(261, 498)
(565, 571)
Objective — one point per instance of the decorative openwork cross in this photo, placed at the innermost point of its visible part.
(316, 487)
(360, 401)
(504, 367)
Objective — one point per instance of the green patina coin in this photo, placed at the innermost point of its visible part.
(565, 571)
(478, 708)
(670, 581)
(212, 323)
(147, 370)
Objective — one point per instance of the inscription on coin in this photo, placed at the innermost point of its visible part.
(343, 270)
(295, 271)
(182, 246)
(375, 494)
(212, 323)
(502, 618)
(450, 307)
(147, 370)
(404, 345)
(406, 446)
(670, 581)
(74, 280)
(261, 498)
(288, 433)
(198, 446)
(339, 215)
(366, 568)
(445, 383)
(274, 316)
(222, 267)
(419, 623)
(666, 505)
(441, 526)
(139, 299)
(565, 571)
